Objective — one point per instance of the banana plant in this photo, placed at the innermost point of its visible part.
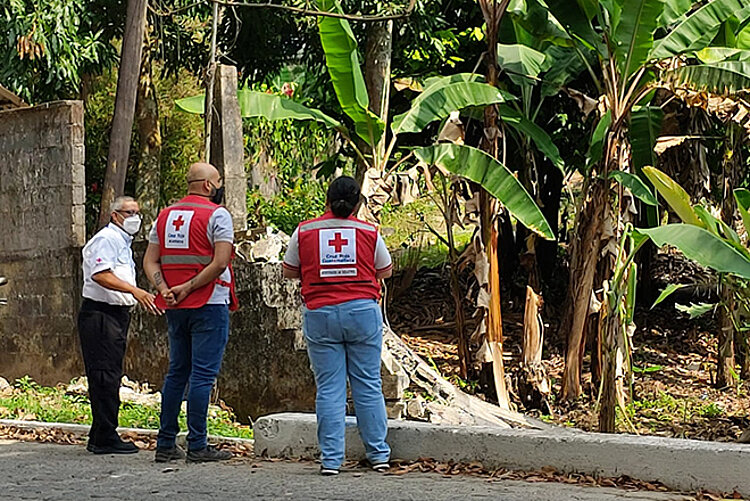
(701, 237)
(712, 243)
(630, 40)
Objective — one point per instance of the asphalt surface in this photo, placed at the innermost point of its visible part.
(35, 471)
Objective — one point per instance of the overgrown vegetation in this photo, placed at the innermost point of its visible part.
(27, 400)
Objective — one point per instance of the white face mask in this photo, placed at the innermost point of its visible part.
(131, 224)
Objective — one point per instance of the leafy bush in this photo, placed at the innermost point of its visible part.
(305, 200)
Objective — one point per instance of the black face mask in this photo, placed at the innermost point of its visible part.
(217, 196)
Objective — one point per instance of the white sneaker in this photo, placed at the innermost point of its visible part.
(381, 467)
(328, 472)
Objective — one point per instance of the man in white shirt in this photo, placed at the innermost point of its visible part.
(109, 291)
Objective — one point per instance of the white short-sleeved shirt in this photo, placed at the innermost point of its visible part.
(382, 256)
(220, 229)
(109, 250)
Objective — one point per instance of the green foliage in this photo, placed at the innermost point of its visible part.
(48, 45)
(29, 400)
(254, 104)
(340, 48)
(481, 168)
(305, 199)
(181, 138)
(440, 99)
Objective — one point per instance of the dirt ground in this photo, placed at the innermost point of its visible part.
(674, 359)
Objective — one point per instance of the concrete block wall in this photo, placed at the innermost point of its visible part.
(42, 227)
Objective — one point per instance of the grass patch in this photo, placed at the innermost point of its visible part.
(28, 400)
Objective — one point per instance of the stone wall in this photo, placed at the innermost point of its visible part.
(42, 181)
(42, 226)
(265, 366)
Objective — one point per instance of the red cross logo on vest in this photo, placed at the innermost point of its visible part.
(177, 223)
(338, 243)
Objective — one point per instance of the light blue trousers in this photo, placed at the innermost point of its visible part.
(346, 340)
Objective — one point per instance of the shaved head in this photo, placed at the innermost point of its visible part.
(202, 178)
(200, 171)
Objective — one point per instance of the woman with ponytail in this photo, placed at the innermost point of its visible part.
(341, 260)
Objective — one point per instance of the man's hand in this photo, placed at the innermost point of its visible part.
(180, 292)
(146, 299)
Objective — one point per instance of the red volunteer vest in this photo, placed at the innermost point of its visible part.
(184, 249)
(337, 260)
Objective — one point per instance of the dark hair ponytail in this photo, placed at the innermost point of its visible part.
(343, 196)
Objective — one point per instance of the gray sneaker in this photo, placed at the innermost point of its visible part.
(208, 454)
(166, 455)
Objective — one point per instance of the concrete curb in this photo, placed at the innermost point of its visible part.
(679, 464)
(83, 430)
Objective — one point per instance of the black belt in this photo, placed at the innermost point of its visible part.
(91, 305)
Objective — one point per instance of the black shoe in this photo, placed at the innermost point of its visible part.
(121, 447)
(208, 454)
(328, 472)
(166, 455)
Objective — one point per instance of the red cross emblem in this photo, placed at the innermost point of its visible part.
(177, 223)
(338, 243)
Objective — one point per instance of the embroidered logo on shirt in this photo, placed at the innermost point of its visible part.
(338, 246)
(177, 231)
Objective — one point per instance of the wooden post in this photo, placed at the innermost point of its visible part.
(122, 121)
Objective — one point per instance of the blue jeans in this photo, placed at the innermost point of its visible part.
(346, 340)
(197, 338)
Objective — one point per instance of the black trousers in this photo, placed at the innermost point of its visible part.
(103, 329)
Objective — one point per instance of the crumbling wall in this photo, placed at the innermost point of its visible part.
(42, 228)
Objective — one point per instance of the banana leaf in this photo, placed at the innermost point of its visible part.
(526, 127)
(674, 10)
(634, 36)
(702, 246)
(575, 17)
(438, 101)
(433, 83)
(636, 186)
(596, 148)
(522, 63)
(645, 125)
(675, 196)
(478, 166)
(342, 61)
(269, 106)
(724, 77)
(689, 35)
(695, 310)
(667, 292)
(742, 196)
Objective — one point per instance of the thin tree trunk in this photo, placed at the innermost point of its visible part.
(609, 327)
(378, 52)
(122, 121)
(148, 182)
(462, 339)
(725, 370)
(584, 257)
(488, 213)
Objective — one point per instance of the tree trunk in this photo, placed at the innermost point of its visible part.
(584, 257)
(534, 385)
(462, 339)
(489, 226)
(609, 327)
(122, 121)
(725, 370)
(148, 183)
(378, 52)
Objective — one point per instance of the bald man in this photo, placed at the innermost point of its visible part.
(188, 260)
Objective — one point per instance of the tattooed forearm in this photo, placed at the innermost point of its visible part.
(157, 279)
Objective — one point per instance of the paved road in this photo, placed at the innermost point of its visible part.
(34, 471)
